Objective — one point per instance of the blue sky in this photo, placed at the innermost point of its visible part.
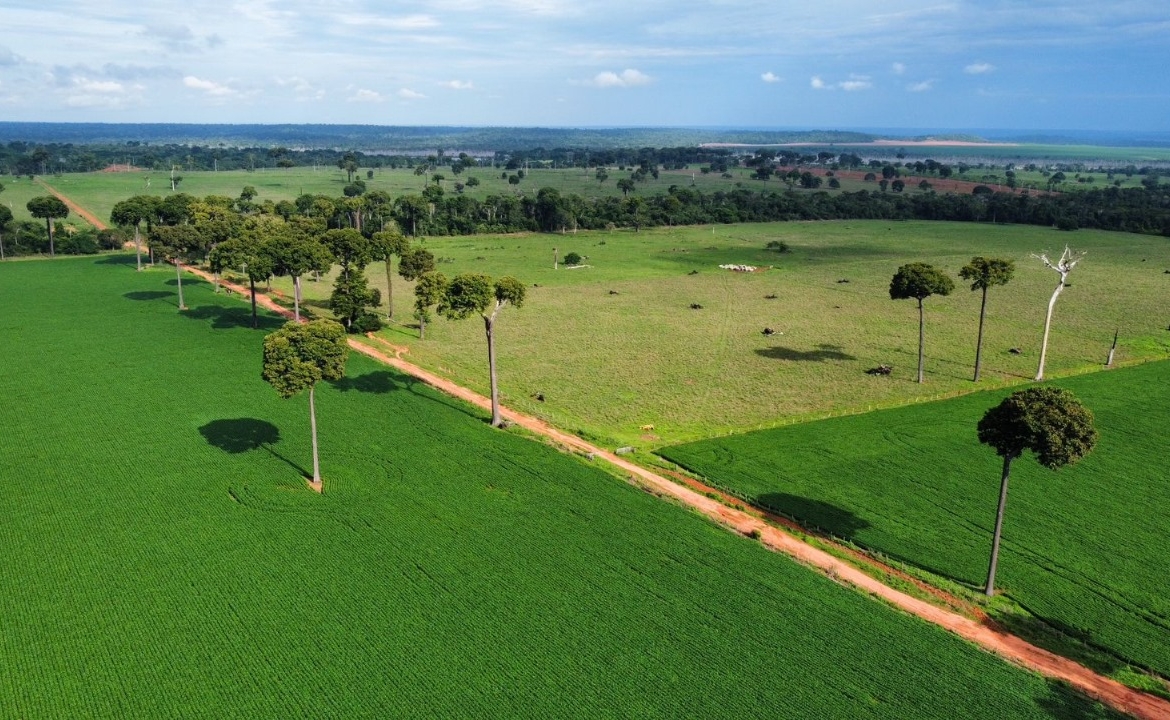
(1041, 64)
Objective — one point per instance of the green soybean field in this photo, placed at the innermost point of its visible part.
(164, 559)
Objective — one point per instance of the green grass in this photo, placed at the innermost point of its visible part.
(1084, 548)
(157, 567)
(608, 364)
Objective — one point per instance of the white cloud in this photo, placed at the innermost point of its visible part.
(363, 95)
(770, 77)
(978, 68)
(458, 85)
(98, 86)
(404, 22)
(408, 94)
(855, 82)
(898, 68)
(627, 78)
(211, 88)
(923, 86)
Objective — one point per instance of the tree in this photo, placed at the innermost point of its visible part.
(386, 245)
(626, 185)
(297, 357)
(48, 208)
(1050, 422)
(470, 293)
(920, 281)
(415, 263)
(295, 254)
(176, 243)
(248, 255)
(984, 273)
(133, 211)
(5, 222)
(1068, 260)
(427, 292)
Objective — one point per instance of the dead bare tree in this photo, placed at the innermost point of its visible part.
(1068, 260)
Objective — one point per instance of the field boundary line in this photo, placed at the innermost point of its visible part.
(1007, 646)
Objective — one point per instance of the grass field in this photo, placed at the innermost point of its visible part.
(1085, 548)
(164, 558)
(609, 363)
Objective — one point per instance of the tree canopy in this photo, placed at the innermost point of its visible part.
(919, 281)
(1049, 421)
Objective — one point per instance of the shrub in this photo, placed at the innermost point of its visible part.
(572, 259)
(777, 246)
(366, 322)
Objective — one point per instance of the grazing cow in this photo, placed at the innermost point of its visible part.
(646, 428)
(768, 331)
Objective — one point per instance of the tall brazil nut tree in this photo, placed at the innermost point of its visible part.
(297, 357)
(470, 293)
(920, 281)
(1050, 422)
(48, 208)
(984, 273)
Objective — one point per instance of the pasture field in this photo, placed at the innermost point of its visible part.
(1084, 548)
(165, 559)
(607, 363)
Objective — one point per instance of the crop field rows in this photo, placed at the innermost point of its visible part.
(171, 563)
(1084, 548)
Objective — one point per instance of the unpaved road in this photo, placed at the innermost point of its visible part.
(1006, 645)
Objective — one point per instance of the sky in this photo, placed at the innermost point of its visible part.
(827, 64)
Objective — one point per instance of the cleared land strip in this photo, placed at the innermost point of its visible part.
(1004, 644)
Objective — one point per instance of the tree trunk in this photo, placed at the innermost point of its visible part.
(179, 277)
(255, 322)
(989, 590)
(313, 432)
(1047, 325)
(979, 342)
(215, 282)
(422, 328)
(489, 322)
(389, 287)
(49, 225)
(297, 298)
(1, 246)
(921, 338)
(138, 247)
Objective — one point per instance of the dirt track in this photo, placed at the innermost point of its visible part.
(74, 207)
(1007, 646)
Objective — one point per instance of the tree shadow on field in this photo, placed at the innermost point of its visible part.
(814, 514)
(241, 435)
(1065, 703)
(148, 294)
(377, 383)
(821, 354)
(223, 318)
(119, 259)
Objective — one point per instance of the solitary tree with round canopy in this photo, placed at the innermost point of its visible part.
(470, 293)
(984, 273)
(133, 211)
(297, 357)
(1050, 422)
(48, 208)
(920, 281)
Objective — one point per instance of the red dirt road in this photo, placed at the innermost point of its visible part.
(74, 207)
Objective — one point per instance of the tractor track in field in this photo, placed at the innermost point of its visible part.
(980, 632)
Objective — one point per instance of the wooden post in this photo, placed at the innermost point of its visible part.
(1113, 349)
